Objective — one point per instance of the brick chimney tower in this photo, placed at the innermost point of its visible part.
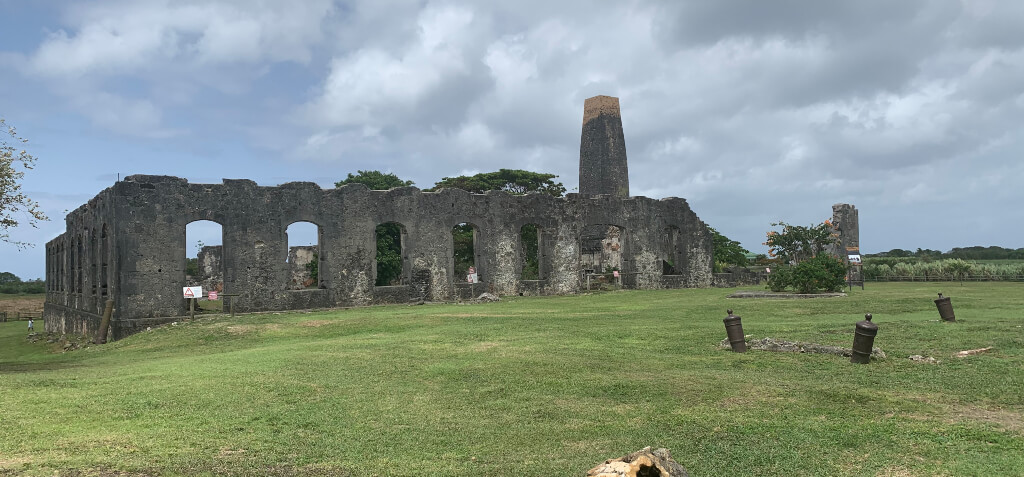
(603, 149)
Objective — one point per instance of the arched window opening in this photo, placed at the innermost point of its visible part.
(93, 269)
(601, 248)
(671, 261)
(303, 255)
(78, 264)
(464, 237)
(204, 254)
(104, 262)
(531, 251)
(391, 268)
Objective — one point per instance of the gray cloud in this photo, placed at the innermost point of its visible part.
(754, 111)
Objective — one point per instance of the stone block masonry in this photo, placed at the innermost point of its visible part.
(128, 244)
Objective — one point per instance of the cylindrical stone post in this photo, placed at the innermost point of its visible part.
(945, 307)
(734, 330)
(863, 340)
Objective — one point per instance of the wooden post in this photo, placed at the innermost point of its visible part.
(192, 307)
(232, 306)
(101, 334)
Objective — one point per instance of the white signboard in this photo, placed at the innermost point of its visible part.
(472, 278)
(854, 259)
(192, 292)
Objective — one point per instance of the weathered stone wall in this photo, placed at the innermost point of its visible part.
(132, 241)
(299, 258)
(211, 276)
(148, 216)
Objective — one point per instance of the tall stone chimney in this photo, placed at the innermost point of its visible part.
(603, 149)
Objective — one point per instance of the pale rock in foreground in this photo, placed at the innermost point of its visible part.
(642, 463)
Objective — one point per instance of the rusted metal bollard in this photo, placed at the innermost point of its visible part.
(101, 334)
(863, 340)
(734, 330)
(945, 307)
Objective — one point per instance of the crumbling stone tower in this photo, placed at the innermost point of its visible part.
(847, 223)
(603, 149)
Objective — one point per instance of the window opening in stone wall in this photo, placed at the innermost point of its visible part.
(464, 237)
(671, 261)
(104, 262)
(530, 251)
(391, 266)
(78, 264)
(58, 265)
(93, 269)
(204, 252)
(601, 248)
(303, 255)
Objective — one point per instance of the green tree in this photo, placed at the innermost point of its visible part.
(389, 254)
(389, 235)
(796, 243)
(513, 181)
(12, 199)
(727, 252)
(375, 180)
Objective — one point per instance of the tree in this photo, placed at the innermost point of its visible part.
(389, 235)
(727, 252)
(797, 243)
(12, 199)
(375, 180)
(513, 181)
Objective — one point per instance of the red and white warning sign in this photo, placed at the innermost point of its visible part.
(192, 292)
(212, 295)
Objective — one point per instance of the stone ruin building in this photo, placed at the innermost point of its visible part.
(846, 221)
(128, 243)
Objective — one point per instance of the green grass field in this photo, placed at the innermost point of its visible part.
(531, 386)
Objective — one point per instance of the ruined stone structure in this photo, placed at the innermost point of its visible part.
(847, 224)
(299, 258)
(209, 274)
(128, 243)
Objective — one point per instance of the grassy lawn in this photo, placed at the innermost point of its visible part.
(531, 386)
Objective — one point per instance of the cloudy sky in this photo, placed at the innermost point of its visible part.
(754, 111)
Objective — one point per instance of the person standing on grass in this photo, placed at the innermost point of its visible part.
(31, 324)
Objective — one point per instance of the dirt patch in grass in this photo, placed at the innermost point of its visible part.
(1005, 418)
(485, 345)
(315, 323)
(102, 472)
(471, 315)
(242, 329)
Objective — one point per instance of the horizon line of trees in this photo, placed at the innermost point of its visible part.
(976, 252)
(11, 284)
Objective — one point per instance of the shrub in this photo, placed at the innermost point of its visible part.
(821, 273)
(780, 278)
